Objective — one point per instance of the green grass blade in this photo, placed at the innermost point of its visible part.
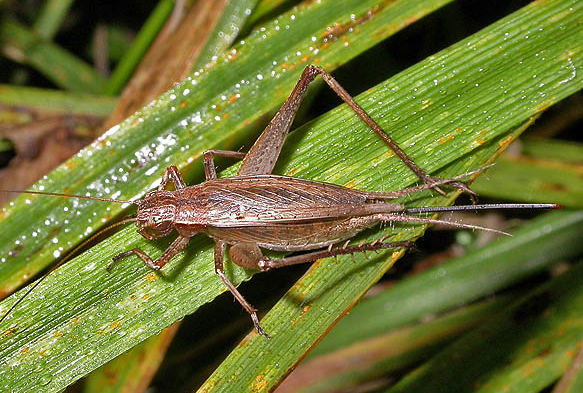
(140, 45)
(57, 101)
(86, 317)
(387, 353)
(525, 349)
(570, 152)
(51, 16)
(572, 380)
(55, 63)
(226, 31)
(532, 249)
(546, 171)
(132, 371)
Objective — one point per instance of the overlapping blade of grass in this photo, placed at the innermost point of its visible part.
(546, 171)
(525, 349)
(375, 358)
(140, 45)
(141, 362)
(234, 16)
(133, 370)
(476, 92)
(61, 67)
(51, 17)
(572, 380)
(207, 111)
(533, 248)
(73, 324)
(57, 101)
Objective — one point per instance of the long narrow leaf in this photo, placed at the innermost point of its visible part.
(523, 350)
(476, 93)
(96, 315)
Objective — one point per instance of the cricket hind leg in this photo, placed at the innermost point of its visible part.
(246, 255)
(424, 177)
(250, 256)
(220, 247)
(210, 170)
(172, 174)
(173, 249)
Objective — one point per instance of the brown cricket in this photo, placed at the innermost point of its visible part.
(256, 209)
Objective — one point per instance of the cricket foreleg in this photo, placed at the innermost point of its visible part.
(172, 174)
(254, 259)
(173, 249)
(424, 177)
(219, 258)
(210, 171)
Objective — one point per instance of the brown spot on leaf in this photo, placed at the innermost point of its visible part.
(554, 186)
(15, 251)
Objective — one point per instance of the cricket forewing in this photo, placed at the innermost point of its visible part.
(275, 212)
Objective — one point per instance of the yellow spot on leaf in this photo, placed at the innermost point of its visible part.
(505, 142)
(444, 139)
(350, 184)
(261, 383)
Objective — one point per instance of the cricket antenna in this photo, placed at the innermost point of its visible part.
(65, 259)
(493, 206)
(70, 196)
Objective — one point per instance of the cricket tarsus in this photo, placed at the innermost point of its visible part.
(257, 210)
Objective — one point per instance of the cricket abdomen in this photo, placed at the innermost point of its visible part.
(277, 212)
(294, 236)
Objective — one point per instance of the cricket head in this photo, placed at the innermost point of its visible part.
(156, 212)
